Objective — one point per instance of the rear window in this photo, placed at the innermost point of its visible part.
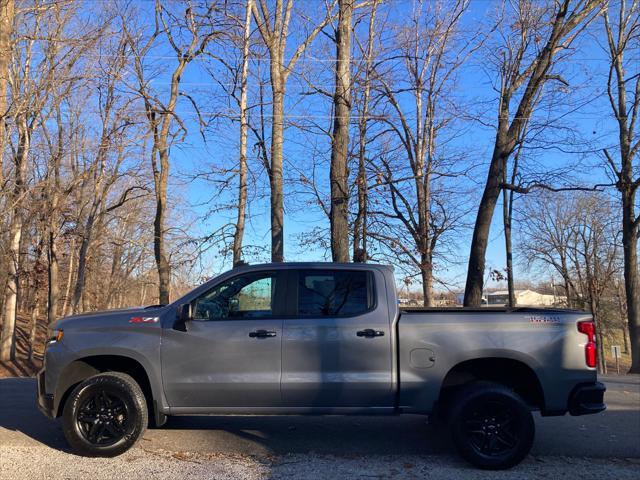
(329, 293)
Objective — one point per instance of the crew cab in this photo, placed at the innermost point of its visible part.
(319, 338)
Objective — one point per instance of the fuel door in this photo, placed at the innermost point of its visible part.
(422, 358)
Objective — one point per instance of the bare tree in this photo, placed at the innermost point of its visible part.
(273, 26)
(105, 168)
(526, 66)
(576, 236)
(546, 237)
(39, 61)
(53, 193)
(7, 12)
(432, 50)
(244, 130)
(26, 101)
(624, 97)
(594, 253)
(188, 35)
(339, 171)
(360, 221)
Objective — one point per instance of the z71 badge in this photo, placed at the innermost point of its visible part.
(143, 320)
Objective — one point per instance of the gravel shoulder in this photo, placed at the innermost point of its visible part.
(44, 462)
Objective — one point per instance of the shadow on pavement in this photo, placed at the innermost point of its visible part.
(21, 423)
(19, 413)
(611, 434)
(338, 435)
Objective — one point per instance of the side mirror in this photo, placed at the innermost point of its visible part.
(234, 304)
(183, 315)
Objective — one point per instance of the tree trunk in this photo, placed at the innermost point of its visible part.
(339, 174)
(625, 110)
(159, 245)
(7, 346)
(242, 168)
(630, 246)
(275, 172)
(426, 272)
(115, 276)
(81, 273)
(625, 339)
(35, 309)
(52, 275)
(67, 290)
(479, 241)
(275, 39)
(7, 340)
(360, 222)
(602, 361)
(507, 212)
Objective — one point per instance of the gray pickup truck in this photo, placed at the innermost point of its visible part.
(319, 338)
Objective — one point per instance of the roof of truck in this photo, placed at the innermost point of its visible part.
(313, 265)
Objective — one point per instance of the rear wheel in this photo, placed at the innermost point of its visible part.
(105, 415)
(492, 427)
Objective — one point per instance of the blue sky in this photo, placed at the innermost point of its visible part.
(588, 115)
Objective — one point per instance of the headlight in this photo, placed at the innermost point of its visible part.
(56, 336)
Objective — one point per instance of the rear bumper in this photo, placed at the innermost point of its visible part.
(45, 401)
(587, 398)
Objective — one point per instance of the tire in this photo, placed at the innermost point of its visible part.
(491, 426)
(105, 415)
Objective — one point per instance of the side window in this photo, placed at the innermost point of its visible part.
(243, 297)
(324, 293)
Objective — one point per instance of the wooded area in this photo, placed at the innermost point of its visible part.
(398, 127)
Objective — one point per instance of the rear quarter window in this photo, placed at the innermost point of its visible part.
(333, 293)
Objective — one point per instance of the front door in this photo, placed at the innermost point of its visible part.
(336, 352)
(230, 353)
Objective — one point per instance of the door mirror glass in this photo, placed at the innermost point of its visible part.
(234, 305)
(184, 312)
(183, 315)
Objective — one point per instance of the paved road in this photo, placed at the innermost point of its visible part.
(611, 434)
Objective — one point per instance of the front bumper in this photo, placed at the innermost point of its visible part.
(45, 401)
(587, 398)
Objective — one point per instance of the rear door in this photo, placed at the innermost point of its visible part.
(230, 353)
(336, 349)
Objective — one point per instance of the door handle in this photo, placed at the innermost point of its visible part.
(262, 334)
(370, 333)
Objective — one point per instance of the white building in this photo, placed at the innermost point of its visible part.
(523, 298)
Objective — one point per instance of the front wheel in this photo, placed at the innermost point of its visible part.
(105, 415)
(492, 427)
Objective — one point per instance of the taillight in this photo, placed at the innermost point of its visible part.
(590, 352)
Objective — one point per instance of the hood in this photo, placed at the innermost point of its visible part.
(104, 316)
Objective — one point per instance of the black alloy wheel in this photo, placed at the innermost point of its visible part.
(105, 415)
(491, 426)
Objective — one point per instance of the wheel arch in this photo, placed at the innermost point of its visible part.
(82, 368)
(512, 373)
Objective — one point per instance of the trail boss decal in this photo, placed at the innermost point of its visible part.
(544, 319)
(144, 320)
